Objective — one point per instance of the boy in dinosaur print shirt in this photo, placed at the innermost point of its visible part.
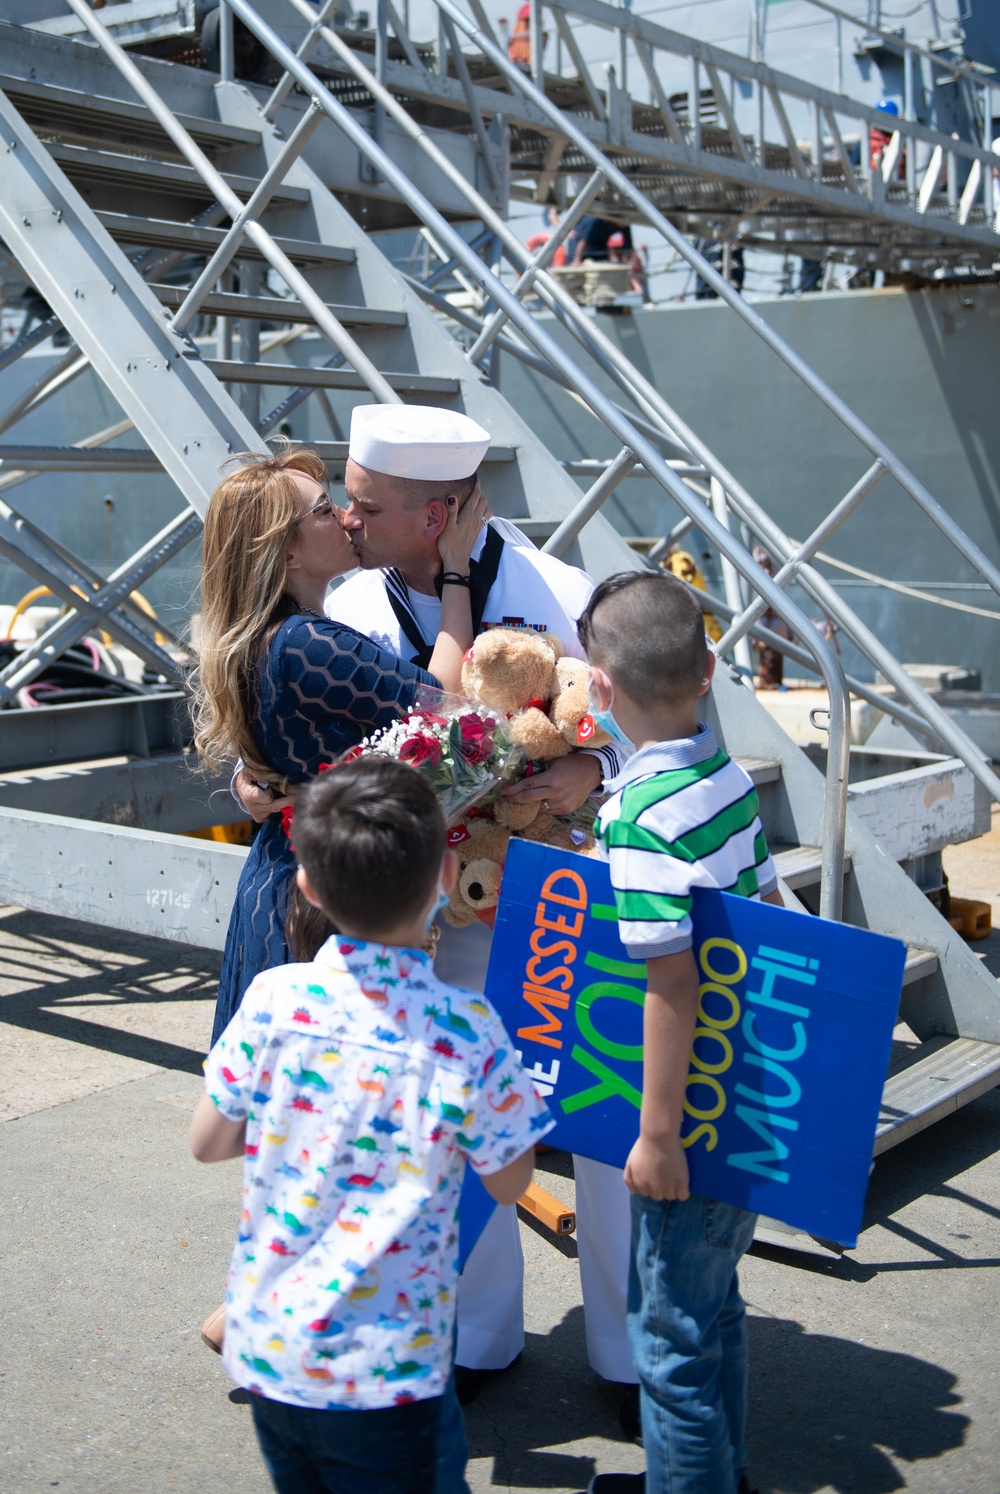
(356, 1088)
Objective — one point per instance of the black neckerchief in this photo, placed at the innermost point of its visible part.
(483, 573)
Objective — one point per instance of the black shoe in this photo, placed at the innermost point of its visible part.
(629, 1418)
(617, 1483)
(469, 1382)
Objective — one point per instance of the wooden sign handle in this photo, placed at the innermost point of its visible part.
(548, 1210)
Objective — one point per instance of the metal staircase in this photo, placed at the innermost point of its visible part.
(760, 158)
(113, 207)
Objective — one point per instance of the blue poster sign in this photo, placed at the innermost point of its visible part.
(795, 1019)
(475, 1208)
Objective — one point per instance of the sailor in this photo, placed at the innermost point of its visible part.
(403, 460)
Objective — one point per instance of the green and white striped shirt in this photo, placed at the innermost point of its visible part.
(679, 815)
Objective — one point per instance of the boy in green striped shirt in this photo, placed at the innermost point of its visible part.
(680, 815)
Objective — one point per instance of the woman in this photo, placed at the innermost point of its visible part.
(282, 686)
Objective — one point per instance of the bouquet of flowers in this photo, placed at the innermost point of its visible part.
(464, 750)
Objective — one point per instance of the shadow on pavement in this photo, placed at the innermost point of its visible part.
(551, 1397)
(104, 968)
(921, 1167)
(827, 1413)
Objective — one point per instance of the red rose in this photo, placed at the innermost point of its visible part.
(477, 744)
(287, 815)
(421, 750)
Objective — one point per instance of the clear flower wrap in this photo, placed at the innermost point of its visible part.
(463, 749)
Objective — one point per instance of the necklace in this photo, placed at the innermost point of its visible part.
(311, 610)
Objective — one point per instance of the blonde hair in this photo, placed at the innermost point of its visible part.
(248, 524)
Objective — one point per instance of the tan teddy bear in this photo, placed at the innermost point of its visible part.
(481, 844)
(512, 670)
(545, 697)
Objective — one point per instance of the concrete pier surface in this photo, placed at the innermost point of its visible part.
(871, 1373)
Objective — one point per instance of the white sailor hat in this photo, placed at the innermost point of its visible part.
(418, 441)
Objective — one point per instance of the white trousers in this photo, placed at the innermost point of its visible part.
(603, 1233)
(491, 1296)
(491, 1288)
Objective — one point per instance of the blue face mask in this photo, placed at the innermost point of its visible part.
(605, 721)
(440, 902)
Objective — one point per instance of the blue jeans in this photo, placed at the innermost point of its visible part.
(453, 1451)
(415, 1448)
(687, 1328)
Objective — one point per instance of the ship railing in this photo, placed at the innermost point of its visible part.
(944, 59)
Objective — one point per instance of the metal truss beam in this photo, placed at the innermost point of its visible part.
(162, 886)
(693, 156)
(126, 726)
(100, 608)
(163, 793)
(76, 459)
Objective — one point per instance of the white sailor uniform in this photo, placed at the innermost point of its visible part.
(531, 590)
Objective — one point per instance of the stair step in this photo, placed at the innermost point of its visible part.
(276, 309)
(337, 451)
(919, 964)
(947, 1073)
(761, 769)
(58, 109)
(83, 162)
(282, 374)
(165, 233)
(540, 530)
(801, 866)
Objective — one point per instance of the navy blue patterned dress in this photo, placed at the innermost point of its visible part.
(321, 688)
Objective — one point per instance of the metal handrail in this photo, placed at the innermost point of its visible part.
(787, 646)
(651, 33)
(835, 801)
(786, 575)
(900, 44)
(328, 324)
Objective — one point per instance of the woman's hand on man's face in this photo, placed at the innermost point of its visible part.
(465, 523)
